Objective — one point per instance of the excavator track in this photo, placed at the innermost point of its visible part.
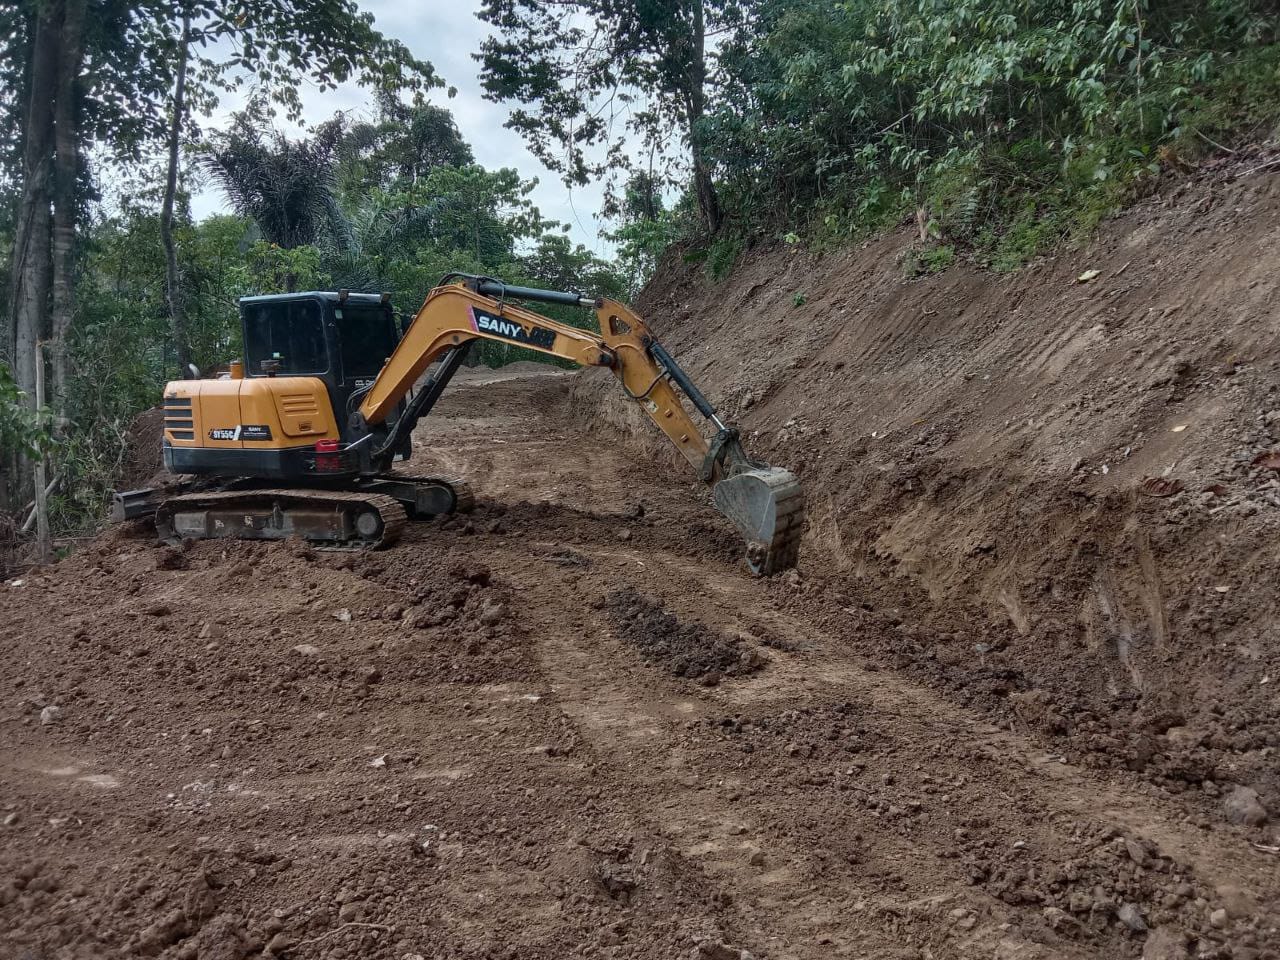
(327, 519)
(463, 499)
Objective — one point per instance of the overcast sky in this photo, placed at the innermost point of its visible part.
(446, 34)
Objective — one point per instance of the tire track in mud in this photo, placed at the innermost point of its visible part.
(800, 896)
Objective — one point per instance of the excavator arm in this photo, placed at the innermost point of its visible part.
(765, 503)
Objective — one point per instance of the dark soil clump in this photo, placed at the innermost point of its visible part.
(685, 649)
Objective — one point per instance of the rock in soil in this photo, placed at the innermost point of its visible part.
(1243, 805)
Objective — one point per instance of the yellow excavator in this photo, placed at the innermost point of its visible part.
(299, 438)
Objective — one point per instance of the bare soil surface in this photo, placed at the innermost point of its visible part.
(568, 724)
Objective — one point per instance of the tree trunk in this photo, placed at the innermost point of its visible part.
(695, 108)
(172, 277)
(708, 199)
(66, 173)
(30, 275)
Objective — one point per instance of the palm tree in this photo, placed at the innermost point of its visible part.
(284, 186)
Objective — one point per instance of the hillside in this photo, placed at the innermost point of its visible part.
(1074, 481)
(1064, 493)
(1017, 702)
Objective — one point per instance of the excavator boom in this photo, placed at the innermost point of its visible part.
(765, 503)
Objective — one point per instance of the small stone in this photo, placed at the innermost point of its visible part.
(1235, 900)
(10, 819)
(1057, 918)
(307, 650)
(1131, 916)
(343, 615)
(349, 911)
(50, 715)
(1165, 943)
(491, 613)
(714, 950)
(211, 631)
(755, 856)
(624, 534)
(1136, 853)
(1243, 806)
(1218, 919)
(278, 944)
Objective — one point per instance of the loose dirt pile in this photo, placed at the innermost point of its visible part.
(684, 649)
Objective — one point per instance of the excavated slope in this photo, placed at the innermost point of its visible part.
(1067, 477)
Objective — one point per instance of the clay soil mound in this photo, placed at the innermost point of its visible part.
(142, 458)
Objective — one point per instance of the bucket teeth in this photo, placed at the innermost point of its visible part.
(766, 504)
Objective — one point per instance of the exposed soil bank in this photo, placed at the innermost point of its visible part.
(1063, 494)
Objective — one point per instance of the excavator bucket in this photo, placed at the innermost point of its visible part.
(766, 504)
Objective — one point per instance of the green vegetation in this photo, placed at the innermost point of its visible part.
(1005, 126)
(20, 428)
(1000, 128)
(929, 258)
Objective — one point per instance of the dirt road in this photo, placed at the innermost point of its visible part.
(566, 725)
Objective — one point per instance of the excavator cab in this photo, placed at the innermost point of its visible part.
(306, 355)
(343, 338)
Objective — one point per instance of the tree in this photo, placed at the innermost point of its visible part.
(285, 186)
(66, 177)
(643, 228)
(577, 66)
(174, 293)
(113, 86)
(31, 269)
(404, 144)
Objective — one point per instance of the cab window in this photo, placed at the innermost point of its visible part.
(367, 336)
(291, 332)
